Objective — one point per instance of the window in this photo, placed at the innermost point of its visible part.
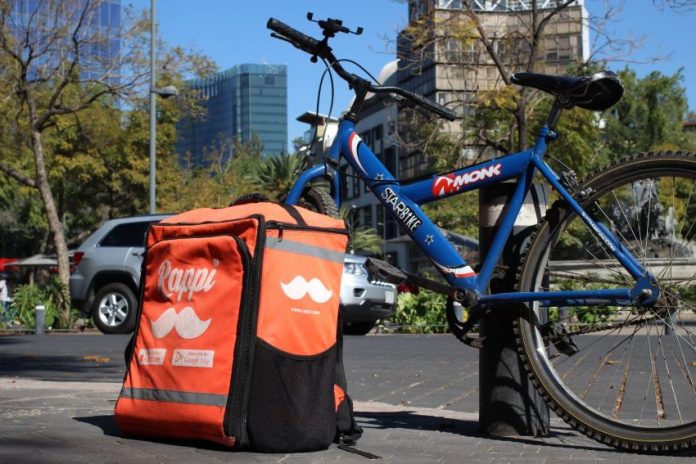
(390, 227)
(390, 159)
(380, 221)
(355, 181)
(350, 183)
(366, 216)
(127, 235)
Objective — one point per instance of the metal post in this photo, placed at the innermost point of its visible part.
(40, 315)
(508, 403)
(153, 108)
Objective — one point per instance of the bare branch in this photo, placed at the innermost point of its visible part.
(502, 69)
(539, 29)
(67, 77)
(16, 175)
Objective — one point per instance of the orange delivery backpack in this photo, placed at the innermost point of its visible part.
(238, 338)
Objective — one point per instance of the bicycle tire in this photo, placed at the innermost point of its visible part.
(318, 199)
(612, 389)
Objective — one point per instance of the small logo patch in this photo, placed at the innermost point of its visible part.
(193, 358)
(309, 312)
(152, 357)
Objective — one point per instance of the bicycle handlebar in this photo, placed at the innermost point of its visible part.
(295, 37)
(320, 48)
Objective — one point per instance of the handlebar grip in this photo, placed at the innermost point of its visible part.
(297, 38)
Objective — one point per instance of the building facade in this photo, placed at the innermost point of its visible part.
(242, 102)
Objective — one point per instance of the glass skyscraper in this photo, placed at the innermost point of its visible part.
(242, 101)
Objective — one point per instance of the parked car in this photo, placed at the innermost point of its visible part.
(364, 299)
(106, 274)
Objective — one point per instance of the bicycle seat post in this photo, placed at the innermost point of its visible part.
(559, 103)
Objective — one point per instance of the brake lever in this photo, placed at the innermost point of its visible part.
(412, 105)
(275, 35)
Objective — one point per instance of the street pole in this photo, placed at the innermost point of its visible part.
(508, 403)
(153, 109)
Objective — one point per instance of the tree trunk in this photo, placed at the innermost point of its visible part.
(54, 223)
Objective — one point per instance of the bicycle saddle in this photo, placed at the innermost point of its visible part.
(595, 92)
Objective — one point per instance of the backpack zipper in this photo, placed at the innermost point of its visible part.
(246, 342)
(283, 225)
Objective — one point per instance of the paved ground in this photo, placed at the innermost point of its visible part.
(416, 398)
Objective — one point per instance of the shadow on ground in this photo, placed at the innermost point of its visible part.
(62, 368)
(566, 439)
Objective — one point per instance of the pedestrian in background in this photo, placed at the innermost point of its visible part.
(4, 295)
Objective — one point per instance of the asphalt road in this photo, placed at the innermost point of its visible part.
(415, 396)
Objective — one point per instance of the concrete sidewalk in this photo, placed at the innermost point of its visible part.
(419, 407)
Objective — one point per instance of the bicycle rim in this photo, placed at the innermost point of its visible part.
(632, 381)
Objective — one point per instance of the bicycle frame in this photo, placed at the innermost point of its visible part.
(402, 202)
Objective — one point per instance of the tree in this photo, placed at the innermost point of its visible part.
(649, 116)
(58, 63)
(276, 174)
(216, 182)
(74, 124)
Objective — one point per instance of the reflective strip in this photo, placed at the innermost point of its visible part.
(173, 396)
(304, 249)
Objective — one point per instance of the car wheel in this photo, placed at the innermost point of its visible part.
(113, 310)
(358, 328)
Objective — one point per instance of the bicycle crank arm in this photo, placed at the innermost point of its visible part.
(389, 273)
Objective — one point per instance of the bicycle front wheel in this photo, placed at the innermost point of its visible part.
(626, 375)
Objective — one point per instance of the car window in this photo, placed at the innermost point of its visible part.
(126, 235)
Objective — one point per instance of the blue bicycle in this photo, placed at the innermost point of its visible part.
(606, 287)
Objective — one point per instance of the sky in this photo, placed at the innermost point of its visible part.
(234, 32)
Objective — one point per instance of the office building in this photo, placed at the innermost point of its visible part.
(246, 100)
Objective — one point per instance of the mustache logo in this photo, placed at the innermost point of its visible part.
(298, 287)
(186, 323)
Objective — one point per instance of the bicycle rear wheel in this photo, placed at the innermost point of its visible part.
(625, 376)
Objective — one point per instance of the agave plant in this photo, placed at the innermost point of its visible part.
(276, 174)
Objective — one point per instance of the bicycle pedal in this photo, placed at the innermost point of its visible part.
(474, 342)
(385, 271)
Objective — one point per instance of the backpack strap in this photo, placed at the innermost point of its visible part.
(359, 452)
(292, 211)
(348, 432)
(347, 429)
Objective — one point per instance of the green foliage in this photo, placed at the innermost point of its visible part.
(579, 137)
(588, 314)
(276, 174)
(366, 240)
(27, 297)
(649, 115)
(421, 313)
(214, 183)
